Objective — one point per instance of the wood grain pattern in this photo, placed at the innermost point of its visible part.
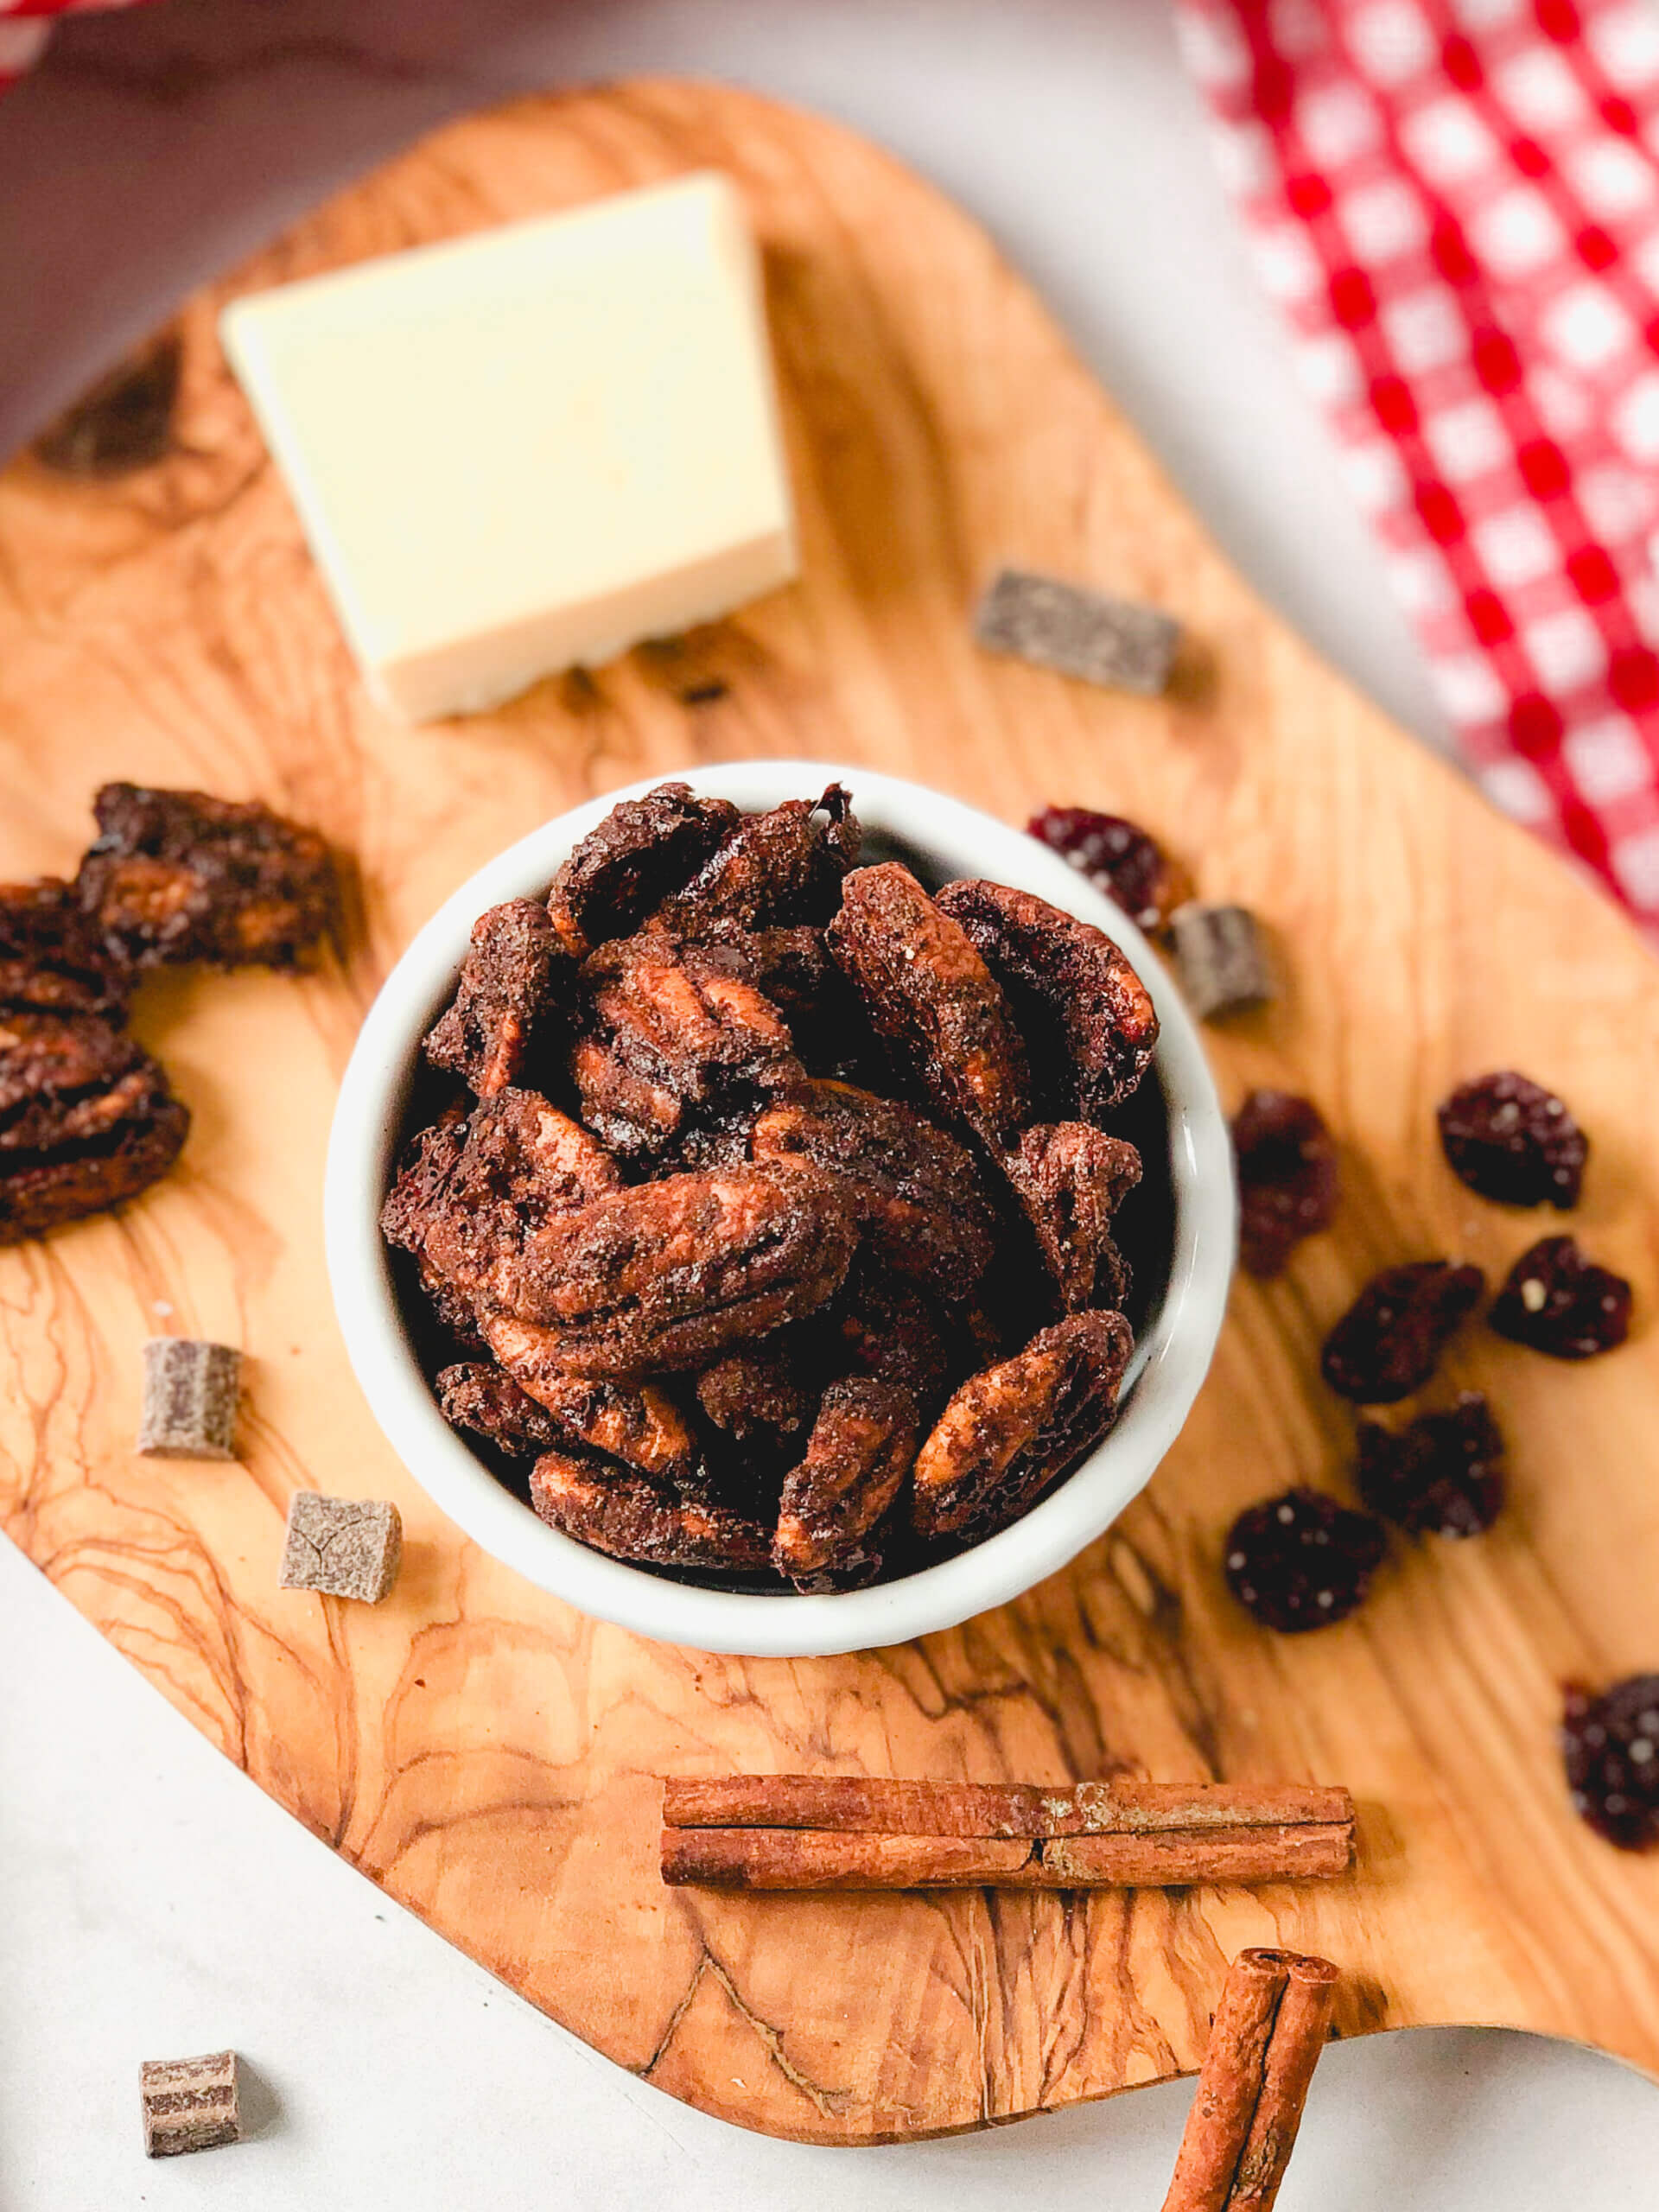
(488, 1756)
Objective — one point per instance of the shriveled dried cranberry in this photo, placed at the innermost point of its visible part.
(1442, 1476)
(1389, 1341)
(1286, 1176)
(1301, 1561)
(1557, 1301)
(1610, 1747)
(1119, 857)
(1513, 1141)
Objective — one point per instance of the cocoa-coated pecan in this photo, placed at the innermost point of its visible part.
(510, 984)
(181, 875)
(1010, 1430)
(932, 998)
(826, 1017)
(53, 956)
(636, 1423)
(1070, 1177)
(637, 1118)
(686, 1018)
(916, 1192)
(770, 870)
(758, 1395)
(640, 853)
(888, 1327)
(86, 1120)
(465, 1206)
(671, 1274)
(1389, 1341)
(1087, 1017)
(631, 1518)
(477, 1395)
(860, 1449)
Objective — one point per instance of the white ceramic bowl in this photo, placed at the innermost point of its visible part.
(941, 838)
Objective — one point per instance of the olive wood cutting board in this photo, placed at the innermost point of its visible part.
(487, 1755)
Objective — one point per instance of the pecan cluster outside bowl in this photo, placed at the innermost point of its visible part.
(1183, 1261)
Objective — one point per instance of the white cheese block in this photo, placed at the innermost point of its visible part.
(532, 446)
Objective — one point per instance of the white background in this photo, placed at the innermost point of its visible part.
(152, 1903)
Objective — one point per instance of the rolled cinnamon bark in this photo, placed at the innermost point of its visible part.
(871, 1805)
(1269, 2028)
(1171, 1859)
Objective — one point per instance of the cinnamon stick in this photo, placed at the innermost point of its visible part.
(1269, 2028)
(870, 1805)
(848, 1858)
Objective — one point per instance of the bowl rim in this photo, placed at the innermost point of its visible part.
(1170, 1361)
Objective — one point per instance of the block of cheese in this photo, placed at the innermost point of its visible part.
(530, 446)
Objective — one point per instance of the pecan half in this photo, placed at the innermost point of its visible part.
(888, 1329)
(640, 853)
(771, 869)
(639, 1424)
(933, 999)
(1070, 1177)
(86, 1120)
(758, 1395)
(509, 984)
(860, 1449)
(671, 1274)
(485, 1399)
(182, 876)
(916, 1192)
(1011, 1430)
(53, 957)
(630, 1518)
(1081, 1006)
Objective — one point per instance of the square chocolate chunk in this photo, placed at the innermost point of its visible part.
(1085, 633)
(191, 1393)
(343, 1547)
(190, 2104)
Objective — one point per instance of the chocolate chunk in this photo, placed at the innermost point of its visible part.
(1286, 1176)
(86, 1121)
(192, 1390)
(1389, 1341)
(343, 1547)
(931, 995)
(190, 2104)
(1119, 858)
(54, 958)
(1443, 1476)
(1557, 1301)
(1086, 1017)
(1610, 1747)
(1011, 1430)
(1085, 633)
(641, 853)
(1512, 1141)
(177, 875)
(1301, 1561)
(509, 985)
(123, 422)
(1220, 958)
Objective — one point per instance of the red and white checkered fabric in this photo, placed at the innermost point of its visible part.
(1456, 204)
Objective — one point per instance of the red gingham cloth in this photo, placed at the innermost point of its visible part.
(1456, 205)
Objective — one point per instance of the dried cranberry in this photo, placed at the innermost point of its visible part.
(1441, 1476)
(1389, 1341)
(1301, 1561)
(1117, 856)
(1557, 1301)
(1610, 1747)
(1286, 1176)
(1513, 1141)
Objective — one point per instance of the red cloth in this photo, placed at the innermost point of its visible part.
(25, 28)
(1456, 205)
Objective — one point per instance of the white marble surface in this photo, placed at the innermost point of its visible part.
(151, 1902)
